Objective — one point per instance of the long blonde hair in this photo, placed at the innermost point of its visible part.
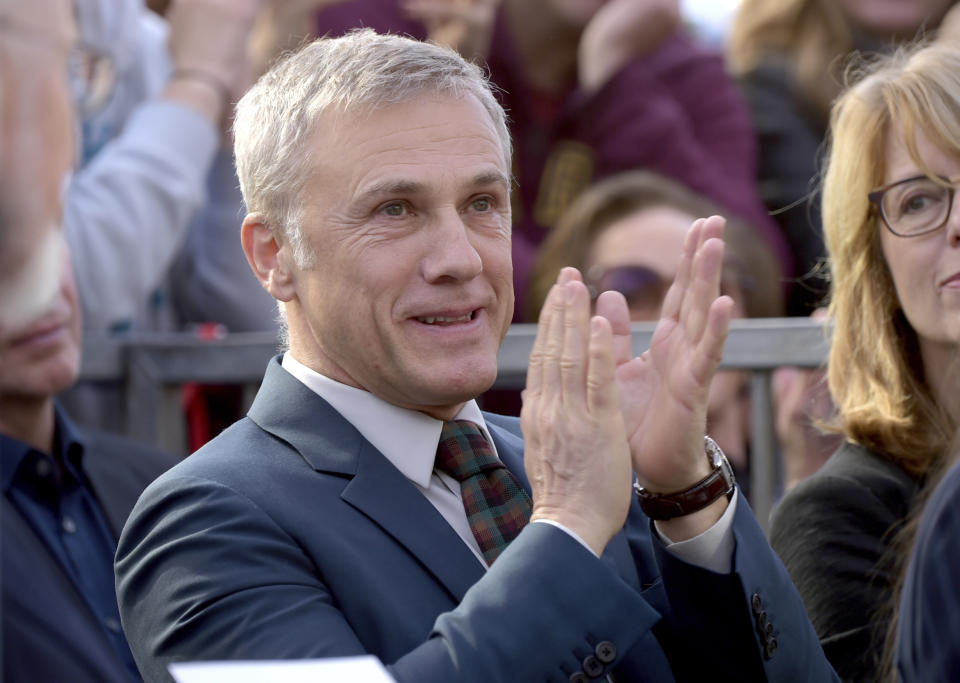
(875, 372)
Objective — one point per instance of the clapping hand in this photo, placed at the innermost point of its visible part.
(575, 452)
(283, 25)
(664, 390)
(949, 29)
(620, 31)
(462, 25)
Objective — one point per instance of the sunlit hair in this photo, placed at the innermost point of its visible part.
(875, 371)
(352, 75)
(812, 35)
(749, 263)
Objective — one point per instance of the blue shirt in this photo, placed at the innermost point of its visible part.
(54, 496)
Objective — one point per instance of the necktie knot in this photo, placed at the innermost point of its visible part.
(464, 451)
(497, 507)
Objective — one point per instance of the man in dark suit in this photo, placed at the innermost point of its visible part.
(928, 640)
(367, 505)
(66, 495)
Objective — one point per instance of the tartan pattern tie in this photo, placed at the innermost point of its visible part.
(497, 507)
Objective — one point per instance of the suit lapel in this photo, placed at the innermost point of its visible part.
(285, 407)
(382, 493)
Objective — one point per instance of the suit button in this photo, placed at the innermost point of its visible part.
(768, 629)
(756, 603)
(579, 677)
(606, 651)
(771, 648)
(762, 621)
(592, 667)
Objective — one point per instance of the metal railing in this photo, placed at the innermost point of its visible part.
(152, 369)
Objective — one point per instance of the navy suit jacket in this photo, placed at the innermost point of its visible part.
(928, 646)
(69, 644)
(290, 536)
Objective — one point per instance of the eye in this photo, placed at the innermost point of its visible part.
(394, 209)
(482, 204)
(920, 201)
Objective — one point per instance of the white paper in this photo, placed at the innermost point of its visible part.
(353, 669)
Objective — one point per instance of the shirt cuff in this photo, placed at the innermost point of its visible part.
(713, 549)
(568, 532)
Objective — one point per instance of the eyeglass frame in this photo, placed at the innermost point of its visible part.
(876, 200)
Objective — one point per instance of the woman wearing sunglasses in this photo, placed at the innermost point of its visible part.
(626, 233)
(892, 231)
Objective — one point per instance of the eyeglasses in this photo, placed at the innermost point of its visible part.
(915, 206)
(642, 287)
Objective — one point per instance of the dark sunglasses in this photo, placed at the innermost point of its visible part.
(642, 287)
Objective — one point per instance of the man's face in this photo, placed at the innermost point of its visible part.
(408, 216)
(41, 357)
(36, 144)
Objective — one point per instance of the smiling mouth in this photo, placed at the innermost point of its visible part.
(445, 320)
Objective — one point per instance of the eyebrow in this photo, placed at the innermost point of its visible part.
(410, 187)
(490, 178)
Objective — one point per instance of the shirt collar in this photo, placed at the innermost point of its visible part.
(407, 438)
(67, 442)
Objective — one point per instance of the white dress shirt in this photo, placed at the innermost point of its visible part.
(409, 439)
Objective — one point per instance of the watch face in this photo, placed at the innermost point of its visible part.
(719, 460)
(713, 451)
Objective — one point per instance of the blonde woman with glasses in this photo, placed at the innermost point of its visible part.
(892, 231)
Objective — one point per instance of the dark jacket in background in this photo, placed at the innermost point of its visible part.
(832, 532)
(50, 632)
(790, 136)
(929, 636)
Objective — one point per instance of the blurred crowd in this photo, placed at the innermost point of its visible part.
(827, 132)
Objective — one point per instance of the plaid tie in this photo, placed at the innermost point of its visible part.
(497, 507)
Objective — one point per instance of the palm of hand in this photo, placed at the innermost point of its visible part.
(664, 391)
(664, 404)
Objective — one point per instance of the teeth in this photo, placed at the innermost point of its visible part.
(431, 319)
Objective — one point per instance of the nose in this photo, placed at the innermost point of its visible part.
(451, 255)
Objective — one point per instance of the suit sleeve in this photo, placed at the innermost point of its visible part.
(747, 625)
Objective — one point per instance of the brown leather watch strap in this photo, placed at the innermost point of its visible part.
(670, 505)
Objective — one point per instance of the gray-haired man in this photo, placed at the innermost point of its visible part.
(330, 522)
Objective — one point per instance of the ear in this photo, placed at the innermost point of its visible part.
(269, 259)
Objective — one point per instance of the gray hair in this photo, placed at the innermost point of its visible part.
(359, 72)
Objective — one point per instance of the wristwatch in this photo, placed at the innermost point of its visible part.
(720, 482)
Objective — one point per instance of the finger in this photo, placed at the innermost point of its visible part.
(602, 393)
(576, 333)
(613, 306)
(535, 366)
(703, 289)
(551, 384)
(713, 228)
(569, 274)
(709, 350)
(674, 297)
